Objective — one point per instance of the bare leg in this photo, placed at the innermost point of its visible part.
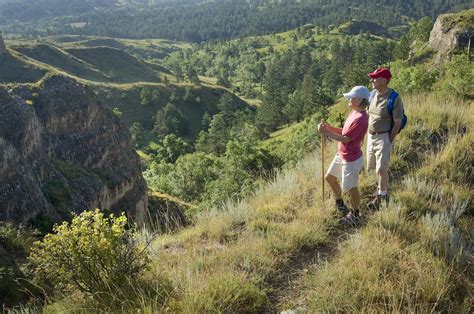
(355, 199)
(335, 187)
(382, 176)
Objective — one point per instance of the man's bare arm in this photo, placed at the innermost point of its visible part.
(397, 123)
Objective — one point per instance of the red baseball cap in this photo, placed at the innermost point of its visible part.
(381, 72)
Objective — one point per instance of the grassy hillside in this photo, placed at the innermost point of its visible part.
(62, 60)
(192, 101)
(166, 213)
(101, 42)
(115, 63)
(143, 48)
(15, 70)
(111, 71)
(90, 58)
(245, 65)
(416, 253)
(281, 248)
(355, 27)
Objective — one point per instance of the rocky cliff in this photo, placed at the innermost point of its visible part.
(62, 152)
(3, 49)
(452, 32)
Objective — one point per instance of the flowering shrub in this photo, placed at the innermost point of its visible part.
(95, 254)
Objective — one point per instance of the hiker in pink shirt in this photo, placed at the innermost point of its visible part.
(348, 161)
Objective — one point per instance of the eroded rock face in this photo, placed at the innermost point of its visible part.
(3, 49)
(62, 152)
(449, 35)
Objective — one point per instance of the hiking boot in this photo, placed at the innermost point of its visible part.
(377, 202)
(341, 207)
(351, 219)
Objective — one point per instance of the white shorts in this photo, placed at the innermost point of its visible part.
(378, 151)
(346, 171)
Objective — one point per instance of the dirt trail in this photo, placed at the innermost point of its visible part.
(286, 294)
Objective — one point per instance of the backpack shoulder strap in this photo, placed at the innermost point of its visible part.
(391, 101)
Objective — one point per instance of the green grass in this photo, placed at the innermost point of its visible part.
(376, 271)
(117, 64)
(100, 42)
(60, 59)
(15, 70)
(244, 241)
(29, 62)
(460, 20)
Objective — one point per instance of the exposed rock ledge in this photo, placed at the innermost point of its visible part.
(451, 32)
(62, 152)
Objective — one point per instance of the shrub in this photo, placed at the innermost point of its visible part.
(409, 79)
(458, 77)
(95, 254)
(442, 235)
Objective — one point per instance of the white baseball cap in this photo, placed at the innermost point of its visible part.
(358, 91)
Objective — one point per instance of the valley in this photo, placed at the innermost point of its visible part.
(205, 136)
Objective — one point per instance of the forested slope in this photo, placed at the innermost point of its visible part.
(225, 19)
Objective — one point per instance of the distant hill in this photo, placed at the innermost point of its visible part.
(107, 42)
(29, 62)
(116, 63)
(64, 61)
(355, 27)
(143, 48)
(197, 21)
(117, 77)
(26, 10)
(15, 70)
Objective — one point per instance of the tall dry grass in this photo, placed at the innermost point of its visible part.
(415, 255)
(224, 263)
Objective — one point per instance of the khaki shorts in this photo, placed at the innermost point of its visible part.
(378, 151)
(346, 171)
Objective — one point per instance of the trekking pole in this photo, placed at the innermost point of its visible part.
(322, 166)
(323, 143)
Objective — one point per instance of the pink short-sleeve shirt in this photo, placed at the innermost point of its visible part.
(355, 128)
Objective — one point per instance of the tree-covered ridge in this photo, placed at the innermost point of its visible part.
(225, 19)
(25, 10)
(298, 82)
(293, 74)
